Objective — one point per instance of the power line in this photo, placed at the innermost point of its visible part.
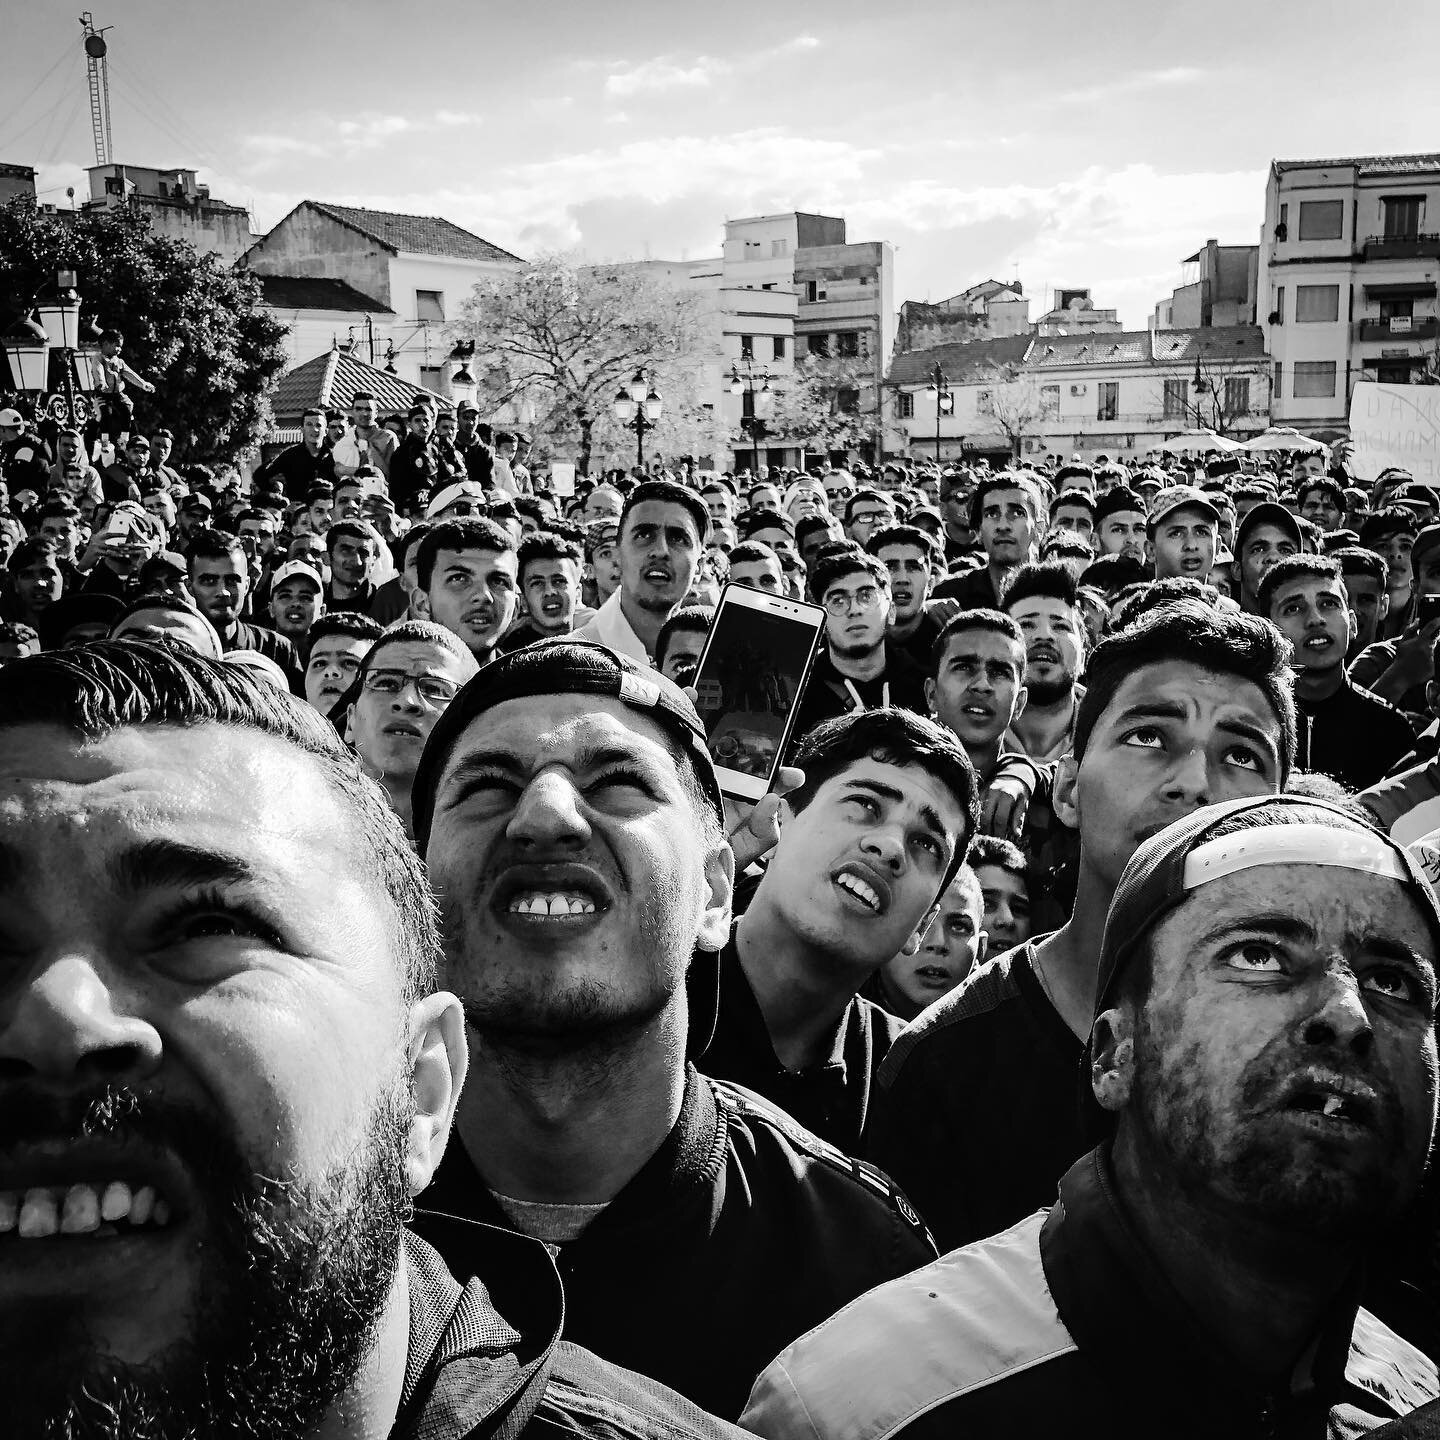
(70, 53)
(45, 116)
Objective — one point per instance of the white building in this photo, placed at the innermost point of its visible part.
(1349, 260)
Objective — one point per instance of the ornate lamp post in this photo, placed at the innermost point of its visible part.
(66, 380)
(761, 402)
(637, 407)
(944, 401)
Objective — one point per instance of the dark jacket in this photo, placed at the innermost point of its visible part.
(486, 1358)
(826, 694)
(1351, 735)
(299, 470)
(413, 467)
(742, 1223)
(1064, 1325)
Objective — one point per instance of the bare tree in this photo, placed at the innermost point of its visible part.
(1011, 396)
(824, 404)
(556, 341)
(1203, 399)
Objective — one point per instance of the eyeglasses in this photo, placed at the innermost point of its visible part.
(840, 492)
(841, 602)
(435, 689)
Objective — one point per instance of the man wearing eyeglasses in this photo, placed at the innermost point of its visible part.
(408, 678)
(859, 669)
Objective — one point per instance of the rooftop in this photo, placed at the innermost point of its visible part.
(415, 234)
(1144, 347)
(304, 292)
(1366, 164)
(961, 360)
(331, 379)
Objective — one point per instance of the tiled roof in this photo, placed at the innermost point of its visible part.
(1144, 347)
(1127, 347)
(304, 292)
(415, 234)
(1219, 342)
(960, 361)
(1368, 164)
(329, 380)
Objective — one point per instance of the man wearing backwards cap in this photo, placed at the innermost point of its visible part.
(571, 820)
(1261, 1087)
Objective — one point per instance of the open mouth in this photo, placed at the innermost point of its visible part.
(1334, 1100)
(977, 712)
(1319, 642)
(933, 975)
(402, 729)
(863, 888)
(551, 894)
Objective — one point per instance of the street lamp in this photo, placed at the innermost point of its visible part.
(637, 407)
(761, 402)
(944, 402)
(462, 382)
(60, 319)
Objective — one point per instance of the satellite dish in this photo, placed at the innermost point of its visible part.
(95, 47)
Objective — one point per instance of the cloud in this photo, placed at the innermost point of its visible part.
(326, 138)
(661, 74)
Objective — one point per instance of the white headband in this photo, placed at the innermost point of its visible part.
(1292, 845)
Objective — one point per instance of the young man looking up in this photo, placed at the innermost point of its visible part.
(297, 601)
(867, 846)
(1345, 732)
(466, 579)
(859, 669)
(907, 554)
(1364, 574)
(1390, 532)
(1182, 709)
(353, 548)
(661, 537)
(681, 643)
(1267, 534)
(1183, 528)
(1008, 513)
(1398, 669)
(549, 567)
(1004, 880)
(337, 644)
(1044, 601)
(1074, 511)
(866, 512)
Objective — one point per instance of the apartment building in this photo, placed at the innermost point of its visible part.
(1217, 288)
(1349, 261)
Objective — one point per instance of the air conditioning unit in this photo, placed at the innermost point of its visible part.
(1401, 324)
(1079, 389)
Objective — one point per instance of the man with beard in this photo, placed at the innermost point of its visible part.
(859, 669)
(1184, 708)
(466, 580)
(907, 554)
(570, 818)
(662, 535)
(225, 1072)
(867, 845)
(956, 490)
(1121, 523)
(219, 580)
(1183, 529)
(1261, 1095)
(1345, 732)
(404, 684)
(1044, 601)
(337, 645)
(1009, 515)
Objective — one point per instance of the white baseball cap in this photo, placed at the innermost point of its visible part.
(292, 568)
(11, 419)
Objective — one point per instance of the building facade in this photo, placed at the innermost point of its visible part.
(178, 206)
(1349, 262)
(992, 308)
(1217, 288)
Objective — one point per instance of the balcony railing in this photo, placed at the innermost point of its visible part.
(1398, 328)
(1401, 247)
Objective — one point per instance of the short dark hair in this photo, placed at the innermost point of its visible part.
(31, 549)
(1356, 560)
(347, 529)
(753, 521)
(1188, 630)
(59, 508)
(213, 545)
(692, 619)
(461, 533)
(546, 545)
(119, 684)
(749, 552)
(868, 494)
(1000, 853)
(1073, 497)
(1293, 567)
(1388, 520)
(1138, 600)
(1007, 480)
(892, 736)
(343, 622)
(1048, 578)
(422, 632)
(1064, 542)
(812, 524)
(901, 535)
(979, 619)
(849, 561)
(1333, 490)
(1113, 572)
(319, 490)
(669, 493)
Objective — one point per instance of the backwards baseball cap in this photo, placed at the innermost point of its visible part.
(560, 667)
(449, 494)
(1273, 830)
(1118, 500)
(11, 419)
(196, 500)
(293, 569)
(1269, 512)
(1181, 497)
(1425, 542)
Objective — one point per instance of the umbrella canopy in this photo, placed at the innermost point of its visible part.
(1198, 440)
(1284, 437)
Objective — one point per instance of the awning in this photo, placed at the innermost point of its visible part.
(1375, 362)
(1400, 290)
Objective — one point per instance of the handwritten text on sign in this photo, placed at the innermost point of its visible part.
(1395, 425)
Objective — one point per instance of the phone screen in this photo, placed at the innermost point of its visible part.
(750, 678)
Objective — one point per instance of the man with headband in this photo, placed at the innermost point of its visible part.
(225, 1071)
(1260, 1085)
(571, 820)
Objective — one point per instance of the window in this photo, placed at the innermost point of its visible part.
(1282, 230)
(1277, 306)
(1314, 379)
(847, 344)
(905, 405)
(752, 249)
(984, 402)
(747, 404)
(432, 377)
(1403, 215)
(1237, 395)
(1177, 393)
(1275, 386)
(430, 307)
(1315, 303)
(847, 400)
(1322, 219)
(1393, 309)
(1049, 401)
(779, 249)
(779, 341)
(747, 347)
(1107, 407)
(818, 344)
(812, 291)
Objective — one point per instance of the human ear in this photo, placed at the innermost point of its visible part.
(1064, 798)
(1112, 1058)
(438, 1061)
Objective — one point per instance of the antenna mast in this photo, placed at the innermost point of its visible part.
(98, 72)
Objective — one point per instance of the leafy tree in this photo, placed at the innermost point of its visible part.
(1012, 398)
(192, 325)
(825, 405)
(555, 341)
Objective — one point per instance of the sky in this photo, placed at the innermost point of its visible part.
(1070, 145)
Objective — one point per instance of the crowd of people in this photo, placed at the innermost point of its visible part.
(402, 1034)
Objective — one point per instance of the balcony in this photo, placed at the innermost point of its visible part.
(1401, 247)
(1398, 328)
